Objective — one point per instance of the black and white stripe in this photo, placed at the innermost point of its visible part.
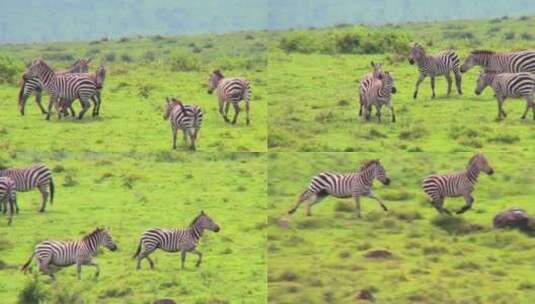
(66, 253)
(441, 64)
(8, 197)
(354, 184)
(230, 90)
(508, 85)
(36, 176)
(175, 240)
(366, 81)
(510, 62)
(438, 187)
(378, 94)
(187, 118)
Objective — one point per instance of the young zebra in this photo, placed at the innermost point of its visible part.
(379, 94)
(174, 240)
(8, 197)
(354, 184)
(510, 62)
(230, 90)
(438, 187)
(366, 81)
(187, 118)
(33, 85)
(64, 87)
(513, 85)
(67, 253)
(435, 65)
(31, 177)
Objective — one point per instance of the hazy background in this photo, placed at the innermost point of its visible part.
(65, 20)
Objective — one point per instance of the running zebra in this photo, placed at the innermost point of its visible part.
(230, 90)
(436, 65)
(64, 87)
(8, 197)
(379, 94)
(33, 85)
(438, 187)
(511, 62)
(174, 240)
(354, 184)
(67, 253)
(366, 81)
(31, 177)
(513, 85)
(187, 118)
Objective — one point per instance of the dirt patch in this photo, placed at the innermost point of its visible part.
(365, 295)
(379, 254)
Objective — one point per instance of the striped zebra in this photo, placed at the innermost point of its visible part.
(33, 85)
(438, 187)
(8, 197)
(36, 176)
(230, 90)
(366, 81)
(52, 254)
(512, 85)
(510, 62)
(65, 87)
(354, 184)
(174, 240)
(435, 65)
(187, 118)
(379, 94)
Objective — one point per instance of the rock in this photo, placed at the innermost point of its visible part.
(378, 254)
(365, 295)
(513, 218)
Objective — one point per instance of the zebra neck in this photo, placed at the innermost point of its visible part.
(92, 243)
(367, 177)
(385, 91)
(472, 173)
(196, 232)
(423, 62)
(47, 78)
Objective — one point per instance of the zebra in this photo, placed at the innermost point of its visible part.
(64, 87)
(365, 82)
(230, 90)
(435, 65)
(510, 62)
(354, 184)
(67, 253)
(174, 240)
(33, 85)
(513, 85)
(26, 179)
(438, 187)
(187, 118)
(8, 196)
(379, 93)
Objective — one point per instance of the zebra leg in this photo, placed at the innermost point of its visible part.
(199, 254)
(79, 270)
(439, 205)
(303, 197)
(174, 131)
(91, 263)
(145, 255)
(182, 259)
(316, 199)
(458, 80)
(501, 112)
(448, 79)
(236, 112)
(433, 87)
(225, 105)
(50, 104)
(85, 106)
(418, 82)
(247, 112)
(185, 136)
(44, 267)
(71, 110)
(378, 112)
(468, 203)
(44, 196)
(357, 206)
(37, 101)
(378, 199)
(97, 100)
(529, 104)
(391, 107)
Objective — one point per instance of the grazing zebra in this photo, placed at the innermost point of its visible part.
(366, 81)
(174, 240)
(187, 118)
(31, 177)
(438, 187)
(379, 94)
(354, 184)
(67, 253)
(64, 87)
(230, 90)
(33, 85)
(435, 65)
(513, 85)
(511, 62)
(8, 196)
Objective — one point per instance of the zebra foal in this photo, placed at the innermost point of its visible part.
(36, 176)
(230, 90)
(510, 62)
(187, 118)
(366, 81)
(66, 253)
(379, 94)
(508, 85)
(441, 64)
(438, 187)
(354, 184)
(8, 197)
(174, 240)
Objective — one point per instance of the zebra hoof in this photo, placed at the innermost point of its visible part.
(41, 210)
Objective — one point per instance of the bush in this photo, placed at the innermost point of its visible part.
(32, 293)
(59, 56)
(300, 43)
(126, 58)
(526, 36)
(509, 36)
(184, 63)
(149, 56)
(124, 39)
(110, 57)
(10, 69)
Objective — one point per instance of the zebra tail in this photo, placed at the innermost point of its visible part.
(138, 250)
(51, 191)
(24, 267)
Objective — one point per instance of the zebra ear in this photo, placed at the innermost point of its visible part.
(167, 99)
(202, 212)
(89, 60)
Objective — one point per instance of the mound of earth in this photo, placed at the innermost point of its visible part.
(378, 254)
(365, 295)
(513, 218)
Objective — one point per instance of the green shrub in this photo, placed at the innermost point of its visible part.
(59, 56)
(126, 58)
(10, 69)
(32, 293)
(149, 56)
(509, 36)
(110, 57)
(297, 42)
(184, 63)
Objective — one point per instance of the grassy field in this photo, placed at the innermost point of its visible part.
(141, 73)
(313, 91)
(435, 259)
(130, 194)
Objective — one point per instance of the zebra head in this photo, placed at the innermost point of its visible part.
(480, 163)
(484, 80)
(377, 71)
(476, 58)
(377, 171)
(388, 82)
(171, 104)
(37, 70)
(417, 53)
(80, 66)
(203, 221)
(106, 239)
(214, 80)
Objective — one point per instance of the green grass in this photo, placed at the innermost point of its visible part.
(435, 259)
(130, 194)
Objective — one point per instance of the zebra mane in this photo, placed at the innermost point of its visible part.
(369, 163)
(482, 52)
(94, 232)
(195, 219)
(218, 73)
(478, 155)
